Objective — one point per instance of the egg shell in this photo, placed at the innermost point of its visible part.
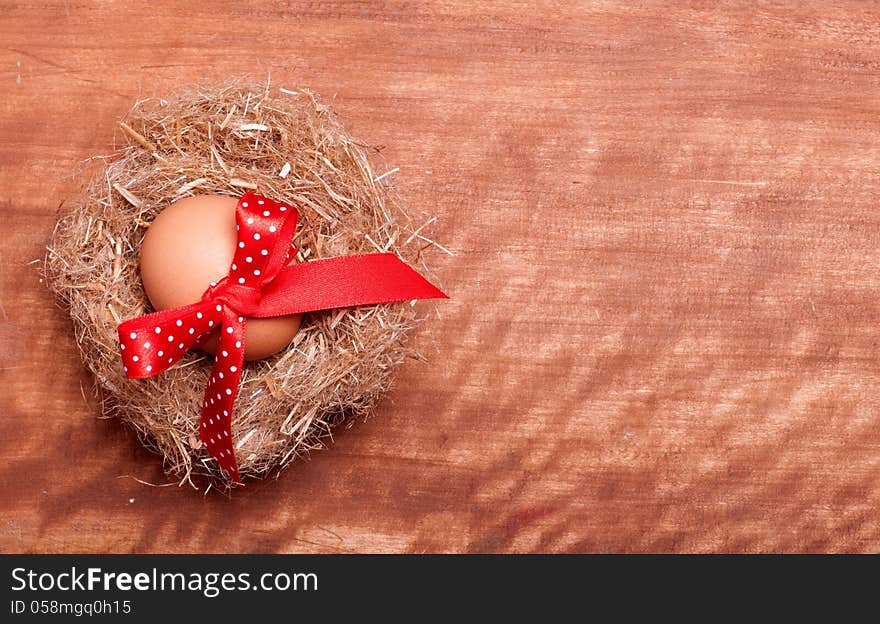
(191, 244)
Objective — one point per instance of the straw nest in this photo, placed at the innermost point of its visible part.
(230, 139)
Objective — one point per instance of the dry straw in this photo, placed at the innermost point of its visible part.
(228, 140)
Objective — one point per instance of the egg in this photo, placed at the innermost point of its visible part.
(191, 244)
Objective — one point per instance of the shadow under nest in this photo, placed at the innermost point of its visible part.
(228, 140)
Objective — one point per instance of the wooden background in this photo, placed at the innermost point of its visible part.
(664, 327)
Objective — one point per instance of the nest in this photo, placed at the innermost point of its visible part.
(228, 140)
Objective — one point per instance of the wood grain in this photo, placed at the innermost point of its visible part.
(664, 327)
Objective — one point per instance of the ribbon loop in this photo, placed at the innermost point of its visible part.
(260, 283)
(153, 343)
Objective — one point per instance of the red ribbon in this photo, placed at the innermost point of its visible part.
(259, 284)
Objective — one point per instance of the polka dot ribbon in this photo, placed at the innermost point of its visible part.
(260, 284)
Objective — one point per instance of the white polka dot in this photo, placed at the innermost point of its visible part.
(226, 433)
(241, 319)
(180, 346)
(256, 236)
(241, 280)
(170, 338)
(264, 252)
(244, 204)
(122, 346)
(192, 330)
(125, 368)
(213, 284)
(199, 315)
(225, 353)
(237, 228)
(219, 308)
(260, 201)
(238, 344)
(250, 220)
(204, 425)
(179, 322)
(241, 245)
(134, 358)
(257, 272)
(146, 345)
(225, 413)
(228, 330)
(283, 208)
(228, 391)
(220, 375)
(170, 360)
(266, 213)
(233, 368)
(149, 368)
(273, 229)
(158, 330)
(210, 323)
(161, 353)
(133, 335)
(234, 267)
(248, 259)
(218, 397)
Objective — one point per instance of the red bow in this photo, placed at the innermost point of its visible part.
(259, 284)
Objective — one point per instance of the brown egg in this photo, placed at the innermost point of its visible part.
(191, 244)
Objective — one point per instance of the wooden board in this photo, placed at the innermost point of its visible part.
(666, 283)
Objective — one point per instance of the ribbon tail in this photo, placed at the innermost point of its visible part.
(343, 282)
(152, 343)
(215, 429)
